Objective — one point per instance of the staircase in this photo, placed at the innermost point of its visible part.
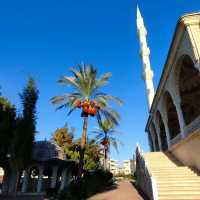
(174, 181)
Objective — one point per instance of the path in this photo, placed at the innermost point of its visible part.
(124, 190)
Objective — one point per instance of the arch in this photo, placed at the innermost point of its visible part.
(172, 116)
(33, 179)
(163, 136)
(155, 138)
(47, 177)
(20, 181)
(59, 177)
(189, 89)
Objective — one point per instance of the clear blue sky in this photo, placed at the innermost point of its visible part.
(45, 38)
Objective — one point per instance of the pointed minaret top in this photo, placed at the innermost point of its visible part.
(139, 20)
(138, 13)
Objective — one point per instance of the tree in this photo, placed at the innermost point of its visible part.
(24, 136)
(87, 96)
(106, 136)
(92, 155)
(7, 126)
(64, 137)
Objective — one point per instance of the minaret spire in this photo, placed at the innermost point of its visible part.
(144, 54)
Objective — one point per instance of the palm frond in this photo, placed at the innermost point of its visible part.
(103, 80)
(110, 115)
(107, 97)
(71, 81)
(57, 99)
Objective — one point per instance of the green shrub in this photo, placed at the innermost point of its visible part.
(51, 192)
(90, 184)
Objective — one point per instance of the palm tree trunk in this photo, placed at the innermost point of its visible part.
(83, 143)
(106, 158)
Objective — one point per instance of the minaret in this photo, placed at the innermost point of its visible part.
(144, 54)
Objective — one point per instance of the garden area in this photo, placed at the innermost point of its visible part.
(90, 173)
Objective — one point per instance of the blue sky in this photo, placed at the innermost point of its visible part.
(45, 38)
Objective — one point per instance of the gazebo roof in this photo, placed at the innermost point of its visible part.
(47, 150)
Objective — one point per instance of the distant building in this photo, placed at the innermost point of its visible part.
(113, 166)
(120, 170)
(128, 167)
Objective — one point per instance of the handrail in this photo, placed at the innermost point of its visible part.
(144, 178)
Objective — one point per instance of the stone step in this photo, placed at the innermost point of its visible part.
(164, 181)
(175, 169)
(180, 188)
(174, 181)
(180, 197)
(183, 192)
(186, 179)
(172, 172)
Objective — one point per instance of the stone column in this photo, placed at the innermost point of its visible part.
(54, 177)
(165, 121)
(40, 177)
(158, 135)
(63, 179)
(152, 135)
(25, 180)
(180, 117)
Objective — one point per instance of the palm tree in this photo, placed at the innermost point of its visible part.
(87, 97)
(106, 136)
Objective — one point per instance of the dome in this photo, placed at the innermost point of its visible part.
(47, 150)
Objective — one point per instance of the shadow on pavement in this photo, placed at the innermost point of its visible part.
(114, 186)
(21, 197)
(142, 194)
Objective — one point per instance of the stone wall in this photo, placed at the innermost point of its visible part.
(188, 150)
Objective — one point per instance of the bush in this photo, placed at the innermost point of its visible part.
(51, 192)
(90, 184)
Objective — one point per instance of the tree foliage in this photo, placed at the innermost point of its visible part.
(25, 126)
(87, 86)
(64, 137)
(106, 135)
(7, 126)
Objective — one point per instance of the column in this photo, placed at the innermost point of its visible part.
(152, 135)
(180, 117)
(25, 180)
(165, 121)
(40, 177)
(158, 135)
(54, 177)
(150, 141)
(63, 179)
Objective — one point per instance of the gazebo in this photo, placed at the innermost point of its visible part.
(49, 169)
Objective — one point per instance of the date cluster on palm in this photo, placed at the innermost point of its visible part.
(89, 107)
(105, 142)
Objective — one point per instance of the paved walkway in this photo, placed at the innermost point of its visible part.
(124, 190)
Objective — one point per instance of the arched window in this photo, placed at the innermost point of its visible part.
(189, 88)
(173, 123)
(162, 132)
(155, 138)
